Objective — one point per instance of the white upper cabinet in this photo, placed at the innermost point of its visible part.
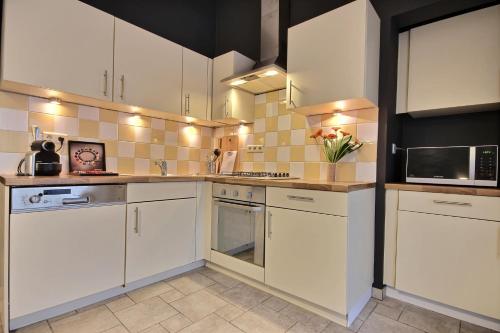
(148, 69)
(454, 64)
(195, 74)
(63, 45)
(333, 60)
(230, 105)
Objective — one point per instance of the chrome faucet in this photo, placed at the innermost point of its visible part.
(163, 166)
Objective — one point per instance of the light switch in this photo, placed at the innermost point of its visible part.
(255, 149)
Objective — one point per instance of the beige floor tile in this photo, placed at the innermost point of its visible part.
(245, 296)
(275, 303)
(380, 324)
(91, 321)
(41, 327)
(120, 303)
(191, 283)
(216, 289)
(315, 324)
(229, 312)
(387, 311)
(64, 315)
(297, 313)
(155, 329)
(198, 305)
(471, 328)
(172, 295)
(220, 278)
(369, 307)
(356, 325)
(150, 291)
(117, 329)
(261, 319)
(176, 323)
(211, 324)
(428, 321)
(336, 328)
(145, 314)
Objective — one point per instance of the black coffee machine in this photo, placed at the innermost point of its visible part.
(42, 160)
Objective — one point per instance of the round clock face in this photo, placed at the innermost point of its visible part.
(86, 156)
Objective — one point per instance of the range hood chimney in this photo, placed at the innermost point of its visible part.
(269, 72)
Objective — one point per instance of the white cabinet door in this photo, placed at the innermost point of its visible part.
(60, 256)
(326, 64)
(451, 260)
(64, 45)
(306, 256)
(455, 62)
(148, 69)
(160, 236)
(194, 84)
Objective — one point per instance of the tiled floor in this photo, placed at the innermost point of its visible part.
(206, 301)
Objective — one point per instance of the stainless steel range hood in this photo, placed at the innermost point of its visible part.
(268, 74)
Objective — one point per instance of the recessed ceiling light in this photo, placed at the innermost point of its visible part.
(55, 100)
(238, 82)
(271, 72)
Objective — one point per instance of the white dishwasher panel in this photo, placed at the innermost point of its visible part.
(62, 255)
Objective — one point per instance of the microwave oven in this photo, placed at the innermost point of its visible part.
(456, 165)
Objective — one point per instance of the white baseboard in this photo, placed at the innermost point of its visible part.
(35, 317)
(444, 309)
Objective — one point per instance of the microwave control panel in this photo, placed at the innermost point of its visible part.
(486, 162)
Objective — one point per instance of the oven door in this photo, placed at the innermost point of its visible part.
(238, 230)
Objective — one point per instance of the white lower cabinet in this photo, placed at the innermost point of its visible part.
(451, 260)
(61, 256)
(306, 256)
(160, 237)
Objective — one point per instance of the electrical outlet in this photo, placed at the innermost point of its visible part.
(255, 148)
(53, 135)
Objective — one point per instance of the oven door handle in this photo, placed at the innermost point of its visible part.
(249, 208)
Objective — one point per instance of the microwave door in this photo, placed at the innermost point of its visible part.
(446, 165)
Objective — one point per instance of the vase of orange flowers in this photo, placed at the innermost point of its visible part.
(336, 145)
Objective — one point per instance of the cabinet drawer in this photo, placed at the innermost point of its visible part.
(139, 192)
(487, 208)
(333, 203)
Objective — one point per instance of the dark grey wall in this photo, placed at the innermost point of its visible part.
(190, 23)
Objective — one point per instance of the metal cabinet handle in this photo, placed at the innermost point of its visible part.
(454, 203)
(122, 86)
(105, 92)
(76, 201)
(291, 102)
(300, 198)
(136, 226)
(225, 107)
(188, 104)
(269, 220)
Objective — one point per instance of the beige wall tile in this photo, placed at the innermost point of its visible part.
(298, 121)
(157, 136)
(259, 166)
(44, 121)
(271, 124)
(367, 116)
(367, 153)
(194, 154)
(111, 148)
(312, 170)
(88, 128)
(260, 110)
(346, 172)
(284, 138)
(126, 133)
(297, 153)
(13, 101)
(170, 152)
(206, 142)
(270, 154)
(182, 167)
(272, 96)
(126, 165)
(14, 142)
(171, 126)
(282, 110)
(142, 150)
(108, 116)
(258, 138)
(245, 156)
(283, 167)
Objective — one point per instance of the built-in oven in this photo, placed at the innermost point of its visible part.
(238, 226)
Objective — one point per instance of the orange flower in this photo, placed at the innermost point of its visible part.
(316, 134)
(335, 128)
(345, 133)
(331, 136)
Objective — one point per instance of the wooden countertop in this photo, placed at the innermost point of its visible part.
(11, 180)
(448, 189)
